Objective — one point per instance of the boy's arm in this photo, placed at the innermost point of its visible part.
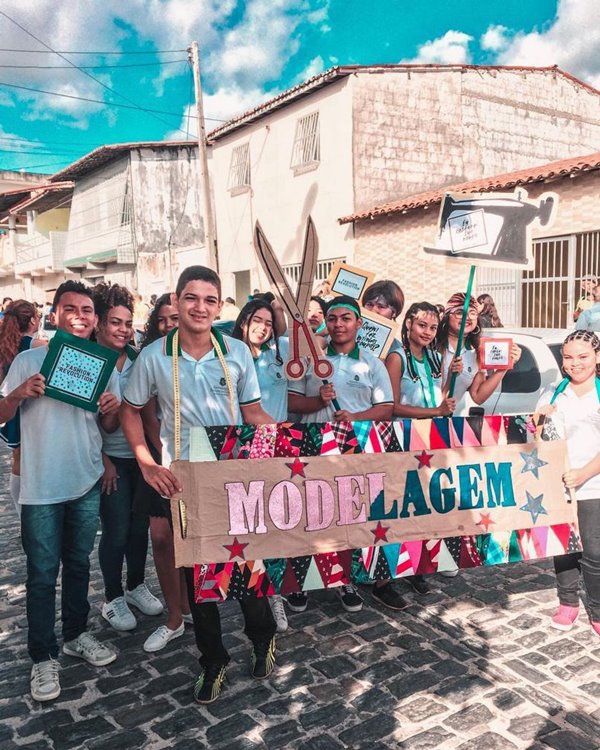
(255, 414)
(33, 387)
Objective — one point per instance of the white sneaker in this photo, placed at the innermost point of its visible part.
(449, 573)
(278, 610)
(118, 614)
(161, 636)
(142, 598)
(85, 646)
(44, 681)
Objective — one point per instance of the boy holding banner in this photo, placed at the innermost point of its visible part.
(60, 497)
(360, 389)
(213, 382)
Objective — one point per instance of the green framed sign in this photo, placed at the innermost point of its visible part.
(77, 370)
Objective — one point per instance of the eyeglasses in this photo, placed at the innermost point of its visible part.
(458, 313)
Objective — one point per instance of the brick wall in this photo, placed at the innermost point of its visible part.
(414, 130)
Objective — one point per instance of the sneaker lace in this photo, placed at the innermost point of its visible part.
(278, 608)
(90, 645)
(120, 606)
(143, 592)
(45, 672)
(349, 588)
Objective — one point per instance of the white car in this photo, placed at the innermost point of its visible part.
(537, 369)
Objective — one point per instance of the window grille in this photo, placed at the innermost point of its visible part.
(307, 146)
(239, 169)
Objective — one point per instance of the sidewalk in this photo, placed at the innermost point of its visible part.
(473, 666)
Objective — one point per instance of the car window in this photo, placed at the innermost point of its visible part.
(556, 353)
(525, 375)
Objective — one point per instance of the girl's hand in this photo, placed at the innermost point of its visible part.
(108, 483)
(108, 403)
(446, 408)
(546, 410)
(574, 478)
(456, 365)
(515, 353)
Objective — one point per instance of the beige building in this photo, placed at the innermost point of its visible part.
(358, 136)
(389, 239)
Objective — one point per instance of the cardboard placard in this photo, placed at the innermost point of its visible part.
(495, 354)
(376, 334)
(77, 370)
(349, 280)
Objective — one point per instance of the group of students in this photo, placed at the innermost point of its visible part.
(77, 467)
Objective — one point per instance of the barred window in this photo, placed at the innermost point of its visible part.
(307, 146)
(239, 169)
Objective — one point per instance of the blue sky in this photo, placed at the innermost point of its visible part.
(250, 51)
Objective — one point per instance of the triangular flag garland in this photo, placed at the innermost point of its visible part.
(238, 580)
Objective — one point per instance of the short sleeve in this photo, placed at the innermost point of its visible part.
(141, 386)
(382, 386)
(299, 386)
(16, 375)
(248, 390)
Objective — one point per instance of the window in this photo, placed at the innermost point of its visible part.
(239, 169)
(525, 375)
(307, 147)
(322, 271)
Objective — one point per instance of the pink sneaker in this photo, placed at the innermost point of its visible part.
(596, 627)
(565, 617)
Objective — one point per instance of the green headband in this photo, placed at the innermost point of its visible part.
(347, 306)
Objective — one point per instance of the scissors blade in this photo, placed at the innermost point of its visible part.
(273, 270)
(308, 266)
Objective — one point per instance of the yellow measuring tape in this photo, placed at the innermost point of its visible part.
(177, 408)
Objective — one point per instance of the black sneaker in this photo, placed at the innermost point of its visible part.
(209, 683)
(389, 596)
(418, 584)
(352, 601)
(297, 602)
(262, 659)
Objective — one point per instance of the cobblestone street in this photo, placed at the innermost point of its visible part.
(472, 666)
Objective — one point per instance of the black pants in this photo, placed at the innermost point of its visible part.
(568, 567)
(258, 620)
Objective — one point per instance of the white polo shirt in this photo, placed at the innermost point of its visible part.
(421, 392)
(115, 443)
(577, 420)
(61, 444)
(470, 360)
(203, 388)
(360, 380)
(272, 379)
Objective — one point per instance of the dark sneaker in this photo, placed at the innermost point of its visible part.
(352, 601)
(389, 596)
(418, 584)
(209, 683)
(297, 602)
(262, 660)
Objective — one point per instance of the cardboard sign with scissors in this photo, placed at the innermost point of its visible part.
(303, 343)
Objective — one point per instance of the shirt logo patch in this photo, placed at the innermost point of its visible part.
(356, 378)
(222, 381)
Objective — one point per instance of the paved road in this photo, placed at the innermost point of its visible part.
(473, 666)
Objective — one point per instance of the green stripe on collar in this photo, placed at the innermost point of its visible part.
(169, 343)
(220, 340)
(131, 352)
(354, 354)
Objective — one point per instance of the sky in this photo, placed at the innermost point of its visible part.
(80, 74)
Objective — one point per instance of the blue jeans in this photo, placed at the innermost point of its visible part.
(50, 534)
(124, 533)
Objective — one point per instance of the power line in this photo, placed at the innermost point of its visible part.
(94, 67)
(85, 73)
(72, 52)
(35, 143)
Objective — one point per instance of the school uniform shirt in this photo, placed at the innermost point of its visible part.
(577, 420)
(420, 392)
(204, 395)
(589, 320)
(360, 380)
(272, 380)
(62, 444)
(463, 381)
(115, 443)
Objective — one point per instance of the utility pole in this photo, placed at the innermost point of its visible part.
(204, 182)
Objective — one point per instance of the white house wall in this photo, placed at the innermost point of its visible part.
(279, 199)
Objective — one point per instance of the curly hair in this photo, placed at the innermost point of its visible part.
(434, 359)
(107, 296)
(13, 326)
(151, 332)
(589, 337)
(240, 327)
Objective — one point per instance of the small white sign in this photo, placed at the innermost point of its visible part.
(376, 334)
(467, 231)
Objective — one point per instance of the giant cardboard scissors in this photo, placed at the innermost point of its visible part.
(302, 341)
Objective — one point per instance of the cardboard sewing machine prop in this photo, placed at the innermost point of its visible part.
(493, 228)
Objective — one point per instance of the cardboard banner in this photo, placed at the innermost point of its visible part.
(349, 280)
(319, 505)
(377, 334)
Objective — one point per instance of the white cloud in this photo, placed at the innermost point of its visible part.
(450, 49)
(571, 41)
(494, 39)
(314, 67)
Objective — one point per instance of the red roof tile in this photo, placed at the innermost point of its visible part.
(550, 171)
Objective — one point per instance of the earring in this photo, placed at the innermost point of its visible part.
(476, 330)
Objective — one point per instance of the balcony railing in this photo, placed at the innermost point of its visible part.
(41, 253)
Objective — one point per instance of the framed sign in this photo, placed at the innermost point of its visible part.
(495, 354)
(77, 370)
(376, 334)
(349, 280)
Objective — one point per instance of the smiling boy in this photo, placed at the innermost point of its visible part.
(61, 466)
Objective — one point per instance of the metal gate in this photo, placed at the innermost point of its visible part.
(546, 295)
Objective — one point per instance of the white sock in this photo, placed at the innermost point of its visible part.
(15, 491)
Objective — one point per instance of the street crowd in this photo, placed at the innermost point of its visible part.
(73, 469)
